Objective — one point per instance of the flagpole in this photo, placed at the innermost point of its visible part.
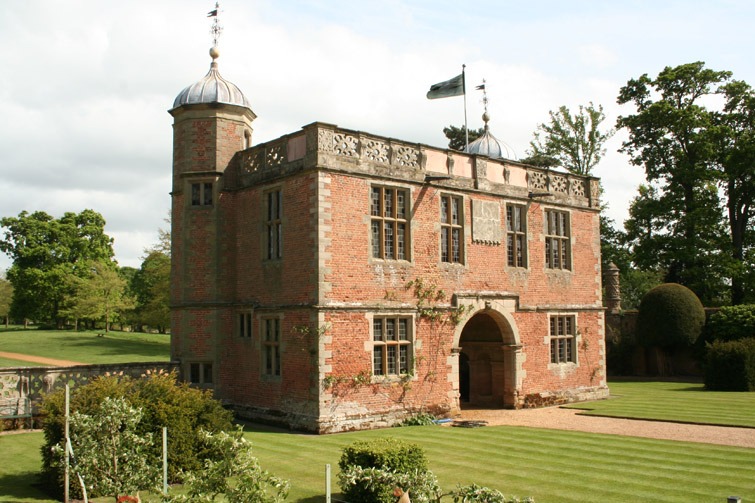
(464, 88)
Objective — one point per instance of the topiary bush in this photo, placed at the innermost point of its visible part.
(731, 323)
(730, 365)
(670, 317)
(164, 402)
(383, 459)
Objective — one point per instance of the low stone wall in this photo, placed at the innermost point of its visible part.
(20, 383)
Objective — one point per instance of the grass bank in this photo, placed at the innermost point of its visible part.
(87, 346)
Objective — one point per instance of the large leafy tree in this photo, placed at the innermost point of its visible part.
(45, 252)
(99, 296)
(689, 152)
(6, 296)
(735, 146)
(151, 285)
(574, 141)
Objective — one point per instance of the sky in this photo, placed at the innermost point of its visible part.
(85, 85)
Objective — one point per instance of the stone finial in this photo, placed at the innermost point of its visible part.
(613, 288)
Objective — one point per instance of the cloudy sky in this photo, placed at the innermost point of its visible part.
(85, 85)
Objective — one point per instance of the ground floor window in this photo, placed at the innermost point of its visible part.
(271, 360)
(392, 345)
(562, 338)
(200, 373)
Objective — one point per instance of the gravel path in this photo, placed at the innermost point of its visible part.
(558, 418)
(39, 359)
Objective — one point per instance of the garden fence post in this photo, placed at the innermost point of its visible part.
(165, 460)
(327, 483)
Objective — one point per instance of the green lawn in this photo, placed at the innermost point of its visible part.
(87, 347)
(674, 401)
(7, 362)
(551, 466)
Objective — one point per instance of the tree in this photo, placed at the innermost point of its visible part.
(45, 251)
(151, 285)
(678, 217)
(735, 139)
(99, 296)
(111, 455)
(457, 137)
(231, 471)
(573, 141)
(6, 297)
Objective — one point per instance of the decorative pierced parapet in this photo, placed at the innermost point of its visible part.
(266, 155)
(563, 184)
(376, 151)
(276, 153)
(252, 160)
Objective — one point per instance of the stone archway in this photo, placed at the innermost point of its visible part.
(488, 361)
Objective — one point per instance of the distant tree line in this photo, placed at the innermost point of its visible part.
(64, 274)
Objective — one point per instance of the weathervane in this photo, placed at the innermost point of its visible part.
(216, 29)
(481, 87)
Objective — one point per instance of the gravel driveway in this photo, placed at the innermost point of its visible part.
(557, 418)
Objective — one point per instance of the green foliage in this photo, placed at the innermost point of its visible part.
(698, 160)
(457, 137)
(100, 295)
(574, 141)
(731, 323)
(164, 402)
(231, 471)
(730, 365)
(111, 456)
(670, 316)
(379, 485)
(6, 297)
(421, 419)
(389, 455)
(151, 285)
(473, 493)
(46, 252)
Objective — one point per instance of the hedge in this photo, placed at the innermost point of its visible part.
(730, 365)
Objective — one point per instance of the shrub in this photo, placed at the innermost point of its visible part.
(670, 317)
(420, 419)
(164, 403)
(391, 457)
(373, 485)
(731, 323)
(730, 365)
(474, 493)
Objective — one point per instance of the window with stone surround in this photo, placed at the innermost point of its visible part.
(245, 324)
(392, 345)
(451, 229)
(389, 227)
(201, 194)
(563, 338)
(200, 373)
(273, 225)
(557, 240)
(516, 235)
(271, 334)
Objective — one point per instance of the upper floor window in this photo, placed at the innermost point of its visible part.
(557, 232)
(562, 339)
(245, 324)
(392, 346)
(451, 229)
(201, 194)
(273, 225)
(271, 359)
(516, 235)
(389, 208)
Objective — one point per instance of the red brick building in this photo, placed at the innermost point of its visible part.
(333, 280)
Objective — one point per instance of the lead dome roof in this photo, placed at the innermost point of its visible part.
(212, 88)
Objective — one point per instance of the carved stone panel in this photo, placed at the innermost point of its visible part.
(486, 222)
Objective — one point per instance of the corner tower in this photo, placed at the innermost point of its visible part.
(212, 121)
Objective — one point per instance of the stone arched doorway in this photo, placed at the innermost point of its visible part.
(486, 362)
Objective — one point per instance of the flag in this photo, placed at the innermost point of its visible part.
(212, 13)
(447, 89)
(481, 87)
